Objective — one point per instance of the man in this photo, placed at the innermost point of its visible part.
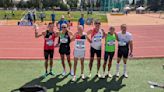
(97, 35)
(62, 21)
(110, 39)
(125, 43)
(80, 38)
(53, 17)
(49, 38)
(81, 21)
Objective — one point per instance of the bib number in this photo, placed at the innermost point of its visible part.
(63, 40)
(50, 43)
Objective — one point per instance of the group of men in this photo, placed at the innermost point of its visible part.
(125, 47)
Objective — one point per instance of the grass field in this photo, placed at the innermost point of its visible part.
(14, 74)
(75, 15)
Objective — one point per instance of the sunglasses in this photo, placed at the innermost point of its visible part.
(98, 23)
(64, 27)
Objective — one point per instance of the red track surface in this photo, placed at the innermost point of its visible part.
(19, 42)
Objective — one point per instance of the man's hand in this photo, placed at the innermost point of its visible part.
(131, 54)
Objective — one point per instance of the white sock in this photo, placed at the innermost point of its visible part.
(124, 68)
(117, 67)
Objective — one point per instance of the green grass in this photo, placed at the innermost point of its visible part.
(75, 15)
(14, 74)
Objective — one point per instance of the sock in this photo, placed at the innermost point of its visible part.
(117, 67)
(50, 69)
(124, 68)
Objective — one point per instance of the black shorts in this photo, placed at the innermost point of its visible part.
(48, 53)
(108, 54)
(93, 51)
(123, 52)
(64, 50)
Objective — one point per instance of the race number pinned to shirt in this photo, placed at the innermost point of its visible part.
(63, 40)
(122, 43)
(50, 42)
(97, 38)
(111, 43)
(80, 44)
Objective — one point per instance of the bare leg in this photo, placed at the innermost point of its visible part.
(75, 65)
(69, 62)
(82, 65)
(63, 63)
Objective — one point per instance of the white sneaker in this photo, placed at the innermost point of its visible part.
(99, 75)
(109, 75)
(125, 75)
(82, 76)
(117, 74)
(64, 73)
(90, 75)
(74, 78)
(72, 73)
(104, 75)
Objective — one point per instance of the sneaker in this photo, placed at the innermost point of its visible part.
(90, 75)
(52, 73)
(125, 75)
(72, 72)
(99, 75)
(74, 78)
(109, 75)
(82, 76)
(45, 75)
(64, 73)
(117, 74)
(104, 75)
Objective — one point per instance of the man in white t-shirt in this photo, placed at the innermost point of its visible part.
(125, 43)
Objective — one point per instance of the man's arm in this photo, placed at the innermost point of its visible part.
(89, 32)
(89, 40)
(131, 48)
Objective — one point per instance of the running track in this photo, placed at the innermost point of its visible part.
(19, 42)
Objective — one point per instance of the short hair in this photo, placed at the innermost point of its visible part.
(97, 21)
(111, 28)
(64, 25)
(123, 25)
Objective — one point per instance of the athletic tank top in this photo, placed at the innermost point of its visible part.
(96, 38)
(80, 42)
(49, 40)
(110, 43)
(64, 39)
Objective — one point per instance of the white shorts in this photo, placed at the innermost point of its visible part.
(79, 54)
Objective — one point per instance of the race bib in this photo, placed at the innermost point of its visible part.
(80, 44)
(121, 43)
(63, 40)
(97, 38)
(110, 43)
(50, 42)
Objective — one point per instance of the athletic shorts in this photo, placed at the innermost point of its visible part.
(64, 50)
(79, 54)
(123, 51)
(108, 54)
(48, 53)
(94, 51)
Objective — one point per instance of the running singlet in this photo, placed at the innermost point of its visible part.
(64, 39)
(80, 42)
(96, 38)
(110, 43)
(49, 40)
(124, 38)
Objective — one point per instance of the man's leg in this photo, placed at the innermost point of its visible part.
(63, 64)
(98, 62)
(92, 52)
(75, 65)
